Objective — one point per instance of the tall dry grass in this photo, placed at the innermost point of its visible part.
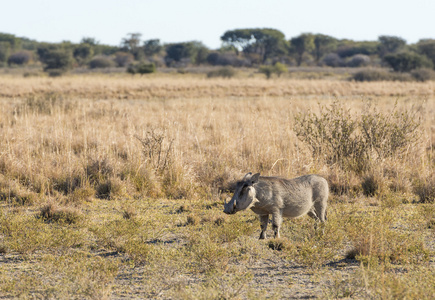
(71, 139)
(75, 141)
(173, 86)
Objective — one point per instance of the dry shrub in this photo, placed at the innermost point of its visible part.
(192, 219)
(98, 170)
(280, 244)
(15, 194)
(344, 183)
(129, 213)
(424, 188)
(111, 188)
(50, 212)
(81, 194)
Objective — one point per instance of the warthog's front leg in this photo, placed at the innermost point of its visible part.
(264, 219)
(276, 223)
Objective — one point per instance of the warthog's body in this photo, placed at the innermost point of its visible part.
(280, 197)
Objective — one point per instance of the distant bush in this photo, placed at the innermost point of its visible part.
(101, 62)
(55, 72)
(57, 60)
(83, 53)
(277, 68)
(423, 74)
(379, 75)
(5, 48)
(407, 61)
(123, 59)
(358, 60)
(225, 72)
(227, 59)
(333, 60)
(141, 68)
(20, 58)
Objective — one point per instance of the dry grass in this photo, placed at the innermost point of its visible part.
(161, 86)
(130, 174)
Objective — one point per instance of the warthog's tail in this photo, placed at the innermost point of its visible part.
(326, 215)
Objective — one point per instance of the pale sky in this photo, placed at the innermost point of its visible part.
(109, 21)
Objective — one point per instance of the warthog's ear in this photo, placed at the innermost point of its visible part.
(247, 176)
(254, 178)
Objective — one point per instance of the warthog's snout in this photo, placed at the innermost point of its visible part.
(230, 207)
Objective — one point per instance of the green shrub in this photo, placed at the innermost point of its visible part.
(407, 61)
(278, 69)
(101, 62)
(225, 72)
(141, 68)
(379, 75)
(56, 59)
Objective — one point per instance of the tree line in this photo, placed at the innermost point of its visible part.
(251, 47)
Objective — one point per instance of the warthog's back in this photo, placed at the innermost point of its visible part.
(293, 197)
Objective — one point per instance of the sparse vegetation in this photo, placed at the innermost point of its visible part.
(105, 197)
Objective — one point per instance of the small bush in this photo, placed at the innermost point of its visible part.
(100, 62)
(333, 60)
(357, 142)
(370, 185)
(52, 213)
(278, 69)
(123, 59)
(407, 61)
(358, 60)
(20, 58)
(423, 74)
(373, 75)
(55, 72)
(425, 189)
(81, 194)
(225, 72)
(15, 194)
(141, 68)
(111, 189)
(129, 213)
(192, 219)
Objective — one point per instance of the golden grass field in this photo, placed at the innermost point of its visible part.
(112, 186)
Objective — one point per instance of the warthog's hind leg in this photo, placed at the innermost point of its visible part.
(276, 224)
(264, 219)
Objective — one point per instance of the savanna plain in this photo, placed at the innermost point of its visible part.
(112, 186)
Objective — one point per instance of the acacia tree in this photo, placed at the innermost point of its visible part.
(83, 53)
(427, 48)
(56, 59)
(323, 44)
(152, 47)
(390, 44)
(407, 61)
(131, 44)
(265, 42)
(302, 44)
(188, 52)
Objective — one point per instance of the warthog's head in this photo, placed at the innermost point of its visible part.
(244, 195)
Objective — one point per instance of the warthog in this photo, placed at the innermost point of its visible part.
(280, 197)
